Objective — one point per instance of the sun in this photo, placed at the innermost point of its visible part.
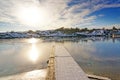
(32, 15)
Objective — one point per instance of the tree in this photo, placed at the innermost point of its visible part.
(85, 29)
(60, 29)
(114, 28)
(30, 31)
(77, 29)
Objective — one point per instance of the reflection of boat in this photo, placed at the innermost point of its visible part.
(116, 35)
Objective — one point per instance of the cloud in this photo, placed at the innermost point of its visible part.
(61, 13)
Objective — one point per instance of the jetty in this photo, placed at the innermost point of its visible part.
(62, 66)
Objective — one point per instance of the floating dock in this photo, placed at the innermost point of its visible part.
(65, 66)
(61, 66)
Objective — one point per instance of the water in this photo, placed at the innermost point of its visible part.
(23, 56)
(98, 56)
(27, 58)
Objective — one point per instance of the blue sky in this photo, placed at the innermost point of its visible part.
(107, 16)
(18, 15)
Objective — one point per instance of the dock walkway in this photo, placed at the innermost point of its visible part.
(65, 66)
(61, 66)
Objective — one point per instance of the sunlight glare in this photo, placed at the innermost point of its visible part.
(32, 15)
(33, 54)
(32, 40)
(36, 74)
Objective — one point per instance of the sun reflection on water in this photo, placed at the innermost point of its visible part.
(34, 53)
(35, 74)
(33, 40)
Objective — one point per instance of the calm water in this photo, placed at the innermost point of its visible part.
(26, 58)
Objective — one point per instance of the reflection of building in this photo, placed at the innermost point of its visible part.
(115, 35)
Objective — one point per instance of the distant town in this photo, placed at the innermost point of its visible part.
(63, 32)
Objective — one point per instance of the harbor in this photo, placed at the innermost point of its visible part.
(60, 40)
(41, 59)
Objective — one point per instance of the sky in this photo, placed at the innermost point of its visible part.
(22, 15)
